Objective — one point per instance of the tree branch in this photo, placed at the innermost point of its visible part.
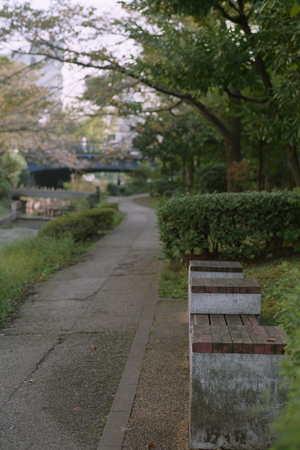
(233, 6)
(166, 108)
(185, 97)
(242, 97)
(226, 15)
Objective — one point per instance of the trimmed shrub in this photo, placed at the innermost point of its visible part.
(113, 205)
(231, 225)
(210, 178)
(80, 225)
(101, 217)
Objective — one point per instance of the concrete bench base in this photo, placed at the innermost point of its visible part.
(235, 382)
(234, 397)
(225, 303)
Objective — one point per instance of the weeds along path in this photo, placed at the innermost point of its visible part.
(62, 360)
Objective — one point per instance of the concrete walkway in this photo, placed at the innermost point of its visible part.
(63, 359)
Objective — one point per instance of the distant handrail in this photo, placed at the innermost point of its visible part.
(45, 192)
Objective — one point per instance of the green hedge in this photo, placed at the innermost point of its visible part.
(113, 205)
(229, 225)
(80, 225)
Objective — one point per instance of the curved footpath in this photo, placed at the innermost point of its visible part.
(74, 374)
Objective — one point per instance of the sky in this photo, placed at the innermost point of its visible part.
(73, 86)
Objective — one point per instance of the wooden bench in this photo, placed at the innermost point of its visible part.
(216, 269)
(235, 381)
(224, 296)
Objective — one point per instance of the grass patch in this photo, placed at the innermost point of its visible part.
(277, 278)
(23, 263)
(173, 281)
(118, 217)
(26, 262)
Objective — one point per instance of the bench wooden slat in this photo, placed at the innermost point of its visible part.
(233, 319)
(249, 319)
(242, 342)
(217, 319)
(215, 266)
(260, 339)
(221, 339)
(201, 340)
(220, 333)
(201, 320)
(224, 286)
(278, 337)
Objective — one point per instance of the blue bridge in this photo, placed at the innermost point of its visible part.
(53, 175)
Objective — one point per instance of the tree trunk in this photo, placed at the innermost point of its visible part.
(260, 167)
(289, 176)
(294, 163)
(266, 180)
(233, 147)
(183, 172)
(190, 171)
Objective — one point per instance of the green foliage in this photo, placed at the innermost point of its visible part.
(80, 225)
(4, 188)
(210, 178)
(158, 187)
(113, 189)
(24, 262)
(113, 205)
(173, 281)
(123, 190)
(277, 278)
(232, 225)
(11, 166)
(287, 425)
(102, 217)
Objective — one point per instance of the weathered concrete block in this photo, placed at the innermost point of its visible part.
(224, 296)
(216, 269)
(235, 383)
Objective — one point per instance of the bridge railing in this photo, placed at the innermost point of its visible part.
(44, 192)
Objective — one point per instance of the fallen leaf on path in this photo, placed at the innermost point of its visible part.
(151, 444)
(83, 260)
(31, 381)
(77, 409)
(93, 348)
(270, 340)
(271, 266)
(132, 304)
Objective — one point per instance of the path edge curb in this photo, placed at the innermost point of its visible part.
(117, 422)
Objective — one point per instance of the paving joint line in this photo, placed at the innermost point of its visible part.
(117, 422)
(43, 358)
